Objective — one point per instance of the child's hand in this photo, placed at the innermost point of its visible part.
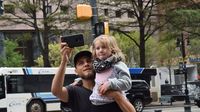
(103, 88)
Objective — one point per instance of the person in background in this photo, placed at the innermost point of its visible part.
(77, 97)
(111, 73)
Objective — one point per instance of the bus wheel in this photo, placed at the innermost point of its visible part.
(36, 105)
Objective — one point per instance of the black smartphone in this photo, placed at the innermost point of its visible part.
(73, 40)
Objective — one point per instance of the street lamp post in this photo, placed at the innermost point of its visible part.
(181, 44)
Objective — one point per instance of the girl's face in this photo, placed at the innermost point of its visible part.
(102, 51)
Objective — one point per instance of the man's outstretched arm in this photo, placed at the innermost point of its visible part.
(57, 84)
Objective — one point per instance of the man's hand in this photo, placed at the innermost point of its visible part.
(65, 51)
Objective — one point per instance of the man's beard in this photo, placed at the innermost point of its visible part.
(88, 77)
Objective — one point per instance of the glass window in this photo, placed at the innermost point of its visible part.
(106, 12)
(33, 83)
(2, 87)
(118, 14)
(64, 9)
(139, 85)
(130, 14)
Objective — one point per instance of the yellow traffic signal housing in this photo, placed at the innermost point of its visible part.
(101, 28)
(106, 28)
(83, 11)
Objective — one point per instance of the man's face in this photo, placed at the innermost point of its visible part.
(84, 68)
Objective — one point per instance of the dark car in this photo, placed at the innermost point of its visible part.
(139, 94)
(197, 100)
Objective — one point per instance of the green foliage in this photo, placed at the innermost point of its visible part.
(167, 50)
(131, 51)
(12, 58)
(9, 8)
(54, 55)
(185, 20)
(185, 17)
(194, 46)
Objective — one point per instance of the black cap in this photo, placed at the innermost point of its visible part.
(82, 54)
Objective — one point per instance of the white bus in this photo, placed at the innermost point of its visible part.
(28, 89)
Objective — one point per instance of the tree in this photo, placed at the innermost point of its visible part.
(55, 57)
(186, 20)
(12, 57)
(148, 18)
(43, 16)
(131, 51)
(143, 14)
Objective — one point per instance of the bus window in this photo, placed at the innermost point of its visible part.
(2, 87)
(33, 83)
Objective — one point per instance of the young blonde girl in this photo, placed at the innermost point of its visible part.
(111, 72)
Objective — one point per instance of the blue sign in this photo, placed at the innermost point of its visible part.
(194, 60)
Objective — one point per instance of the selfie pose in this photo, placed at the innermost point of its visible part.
(77, 97)
(111, 73)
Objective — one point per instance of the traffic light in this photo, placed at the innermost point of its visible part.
(1, 7)
(101, 28)
(83, 11)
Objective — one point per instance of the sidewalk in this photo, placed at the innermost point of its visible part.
(177, 104)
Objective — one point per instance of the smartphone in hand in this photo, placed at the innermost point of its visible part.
(73, 40)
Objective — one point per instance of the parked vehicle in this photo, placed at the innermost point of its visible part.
(139, 94)
(197, 100)
(172, 93)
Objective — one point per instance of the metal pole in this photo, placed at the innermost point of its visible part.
(187, 100)
(94, 19)
(2, 50)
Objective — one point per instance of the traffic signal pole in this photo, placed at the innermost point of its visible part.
(181, 44)
(94, 18)
(187, 100)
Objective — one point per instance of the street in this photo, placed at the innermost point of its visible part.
(176, 107)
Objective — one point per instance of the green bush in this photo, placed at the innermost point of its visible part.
(12, 57)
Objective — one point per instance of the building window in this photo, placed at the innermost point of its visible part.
(64, 9)
(130, 14)
(106, 12)
(118, 13)
(49, 9)
(38, 2)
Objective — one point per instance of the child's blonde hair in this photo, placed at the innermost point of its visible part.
(109, 42)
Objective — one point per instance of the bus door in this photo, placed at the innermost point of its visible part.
(2, 95)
